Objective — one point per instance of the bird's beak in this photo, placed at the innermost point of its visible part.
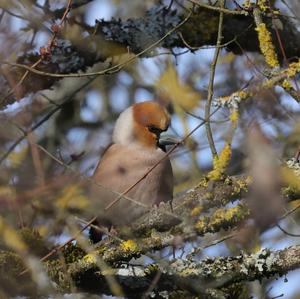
(167, 139)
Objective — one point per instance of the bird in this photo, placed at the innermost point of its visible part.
(137, 146)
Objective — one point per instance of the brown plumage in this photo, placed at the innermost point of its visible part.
(134, 151)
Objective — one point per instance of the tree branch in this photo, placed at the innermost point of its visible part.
(189, 274)
(135, 35)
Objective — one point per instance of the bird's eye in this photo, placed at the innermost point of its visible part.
(154, 130)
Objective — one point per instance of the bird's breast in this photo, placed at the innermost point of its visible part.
(121, 168)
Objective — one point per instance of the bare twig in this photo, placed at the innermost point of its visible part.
(211, 83)
(51, 45)
(291, 211)
(213, 243)
(43, 120)
(220, 9)
(286, 232)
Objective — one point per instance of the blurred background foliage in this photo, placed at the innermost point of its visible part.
(73, 120)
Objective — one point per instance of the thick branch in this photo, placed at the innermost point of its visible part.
(187, 274)
(115, 37)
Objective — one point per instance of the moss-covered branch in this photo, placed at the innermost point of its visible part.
(158, 229)
(188, 274)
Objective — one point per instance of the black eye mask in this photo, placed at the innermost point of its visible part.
(155, 130)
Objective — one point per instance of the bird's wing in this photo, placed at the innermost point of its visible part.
(165, 192)
(121, 167)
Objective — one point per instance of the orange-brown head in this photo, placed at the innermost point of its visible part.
(142, 123)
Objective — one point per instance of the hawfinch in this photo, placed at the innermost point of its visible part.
(136, 147)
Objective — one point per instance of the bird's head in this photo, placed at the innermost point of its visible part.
(141, 123)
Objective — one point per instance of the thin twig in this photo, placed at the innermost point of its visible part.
(43, 120)
(152, 285)
(220, 9)
(2, 15)
(213, 243)
(291, 211)
(211, 84)
(191, 48)
(51, 44)
(286, 232)
(36, 159)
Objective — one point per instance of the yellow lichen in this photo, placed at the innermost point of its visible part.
(222, 216)
(129, 245)
(293, 69)
(90, 258)
(220, 163)
(203, 182)
(241, 185)
(151, 269)
(266, 46)
(263, 5)
(196, 211)
(201, 224)
(286, 84)
(289, 72)
(234, 117)
(243, 94)
(247, 4)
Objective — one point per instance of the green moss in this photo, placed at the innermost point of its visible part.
(72, 253)
(34, 241)
(57, 272)
(12, 284)
(10, 263)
